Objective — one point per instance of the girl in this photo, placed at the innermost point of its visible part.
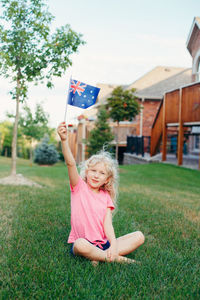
(92, 202)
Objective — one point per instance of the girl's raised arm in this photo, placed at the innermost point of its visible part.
(69, 159)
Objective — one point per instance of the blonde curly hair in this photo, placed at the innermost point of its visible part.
(111, 166)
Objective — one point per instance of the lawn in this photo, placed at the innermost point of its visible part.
(163, 201)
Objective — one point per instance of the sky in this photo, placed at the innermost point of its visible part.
(124, 40)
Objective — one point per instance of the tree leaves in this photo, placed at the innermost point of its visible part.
(28, 51)
(101, 135)
(122, 105)
(34, 126)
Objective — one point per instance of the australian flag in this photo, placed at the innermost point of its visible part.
(82, 95)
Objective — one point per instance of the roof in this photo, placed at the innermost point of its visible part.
(157, 90)
(154, 76)
(195, 26)
(152, 85)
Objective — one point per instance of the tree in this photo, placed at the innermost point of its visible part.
(29, 52)
(33, 127)
(45, 153)
(122, 106)
(101, 135)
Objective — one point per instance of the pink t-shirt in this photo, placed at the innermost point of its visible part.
(88, 210)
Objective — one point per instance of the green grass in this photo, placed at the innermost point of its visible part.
(160, 200)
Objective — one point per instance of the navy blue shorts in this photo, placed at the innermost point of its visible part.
(97, 243)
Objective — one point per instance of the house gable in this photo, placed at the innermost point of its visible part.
(193, 41)
(193, 46)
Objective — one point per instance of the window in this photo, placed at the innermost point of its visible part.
(197, 142)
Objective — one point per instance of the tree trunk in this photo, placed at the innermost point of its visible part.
(14, 140)
(117, 142)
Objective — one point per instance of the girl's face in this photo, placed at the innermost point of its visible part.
(97, 176)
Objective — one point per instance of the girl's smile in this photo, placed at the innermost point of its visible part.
(94, 180)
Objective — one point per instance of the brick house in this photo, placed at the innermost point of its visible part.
(179, 115)
(150, 91)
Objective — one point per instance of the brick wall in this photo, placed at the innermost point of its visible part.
(149, 112)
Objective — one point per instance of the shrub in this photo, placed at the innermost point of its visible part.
(46, 154)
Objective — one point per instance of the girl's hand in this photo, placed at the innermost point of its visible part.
(62, 131)
(112, 252)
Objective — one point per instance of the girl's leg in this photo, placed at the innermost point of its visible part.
(129, 242)
(83, 248)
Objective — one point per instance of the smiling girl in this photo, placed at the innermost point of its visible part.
(93, 196)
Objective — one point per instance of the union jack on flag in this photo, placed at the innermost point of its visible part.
(82, 95)
(77, 87)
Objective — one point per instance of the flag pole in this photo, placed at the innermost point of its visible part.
(65, 116)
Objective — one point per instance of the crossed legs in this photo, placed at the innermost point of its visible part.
(126, 244)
